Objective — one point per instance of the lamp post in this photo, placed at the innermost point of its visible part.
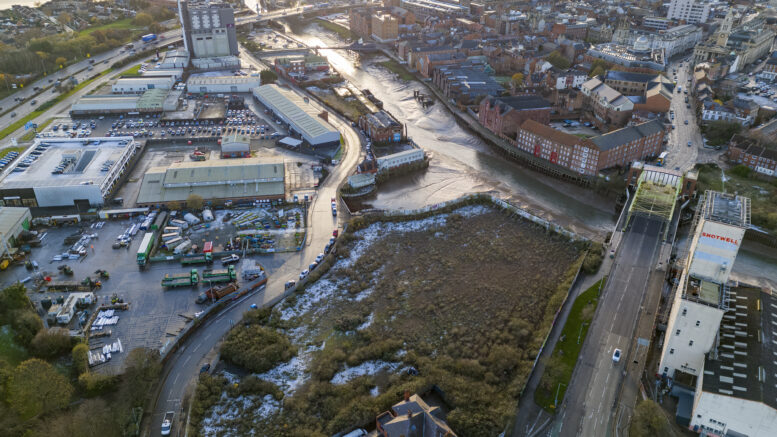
(580, 334)
(558, 389)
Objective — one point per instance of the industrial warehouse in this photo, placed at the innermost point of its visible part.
(214, 180)
(221, 84)
(301, 117)
(66, 172)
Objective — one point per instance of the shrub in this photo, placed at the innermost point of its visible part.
(593, 259)
(741, 171)
(51, 343)
(206, 395)
(95, 384)
(256, 348)
(35, 387)
(80, 356)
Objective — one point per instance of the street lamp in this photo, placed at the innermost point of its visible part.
(555, 401)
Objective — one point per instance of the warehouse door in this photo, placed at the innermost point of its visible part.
(82, 205)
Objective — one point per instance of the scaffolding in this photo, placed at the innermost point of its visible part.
(656, 195)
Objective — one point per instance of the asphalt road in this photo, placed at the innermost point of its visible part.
(184, 365)
(594, 385)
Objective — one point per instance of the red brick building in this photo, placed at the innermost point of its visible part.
(381, 127)
(746, 152)
(589, 156)
(505, 115)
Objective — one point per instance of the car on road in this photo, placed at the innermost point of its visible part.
(205, 367)
(616, 356)
(686, 122)
(303, 274)
(690, 144)
(320, 257)
(688, 106)
(253, 306)
(290, 284)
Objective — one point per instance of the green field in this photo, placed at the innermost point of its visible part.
(120, 24)
(558, 370)
(398, 69)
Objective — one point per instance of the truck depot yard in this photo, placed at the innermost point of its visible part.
(454, 304)
(125, 286)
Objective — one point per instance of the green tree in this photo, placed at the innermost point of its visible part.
(36, 387)
(142, 19)
(558, 60)
(268, 76)
(194, 201)
(648, 420)
(596, 71)
(50, 343)
(517, 80)
(60, 61)
(720, 132)
(80, 355)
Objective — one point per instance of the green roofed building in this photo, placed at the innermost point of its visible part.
(214, 180)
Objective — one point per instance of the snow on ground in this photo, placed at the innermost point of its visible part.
(291, 375)
(365, 368)
(374, 392)
(268, 408)
(321, 290)
(367, 323)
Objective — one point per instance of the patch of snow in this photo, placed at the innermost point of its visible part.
(374, 392)
(364, 294)
(290, 376)
(319, 291)
(365, 368)
(268, 408)
(367, 323)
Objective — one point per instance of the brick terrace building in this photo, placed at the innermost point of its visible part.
(505, 115)
(610, 108)
(465, 83)
(745, 151)
(589, 156)
(381, 127)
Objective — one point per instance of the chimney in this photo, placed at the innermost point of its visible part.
(407, 395)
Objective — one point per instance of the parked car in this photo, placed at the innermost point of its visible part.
(616, 356)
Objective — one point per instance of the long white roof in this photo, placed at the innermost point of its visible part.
(294, 109)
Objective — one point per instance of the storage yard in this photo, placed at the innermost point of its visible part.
(402, 307)
(137, 278)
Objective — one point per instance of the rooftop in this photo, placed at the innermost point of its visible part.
(726, 208)
(629, 77)
(294, 107)
(86, 161)
(627, 134)
(545, 131)
(743, 364)
(9, 217)
(221, 80)
(524, 102)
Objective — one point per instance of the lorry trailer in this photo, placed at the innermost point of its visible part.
(221, 275)
(205, 258)
(144, 251)
(217, 292)
(181, 279)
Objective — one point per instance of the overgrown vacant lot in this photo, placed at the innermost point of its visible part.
(465, 299)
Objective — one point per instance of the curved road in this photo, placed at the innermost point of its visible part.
(183, 366)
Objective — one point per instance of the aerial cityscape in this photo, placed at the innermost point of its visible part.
(388, 218)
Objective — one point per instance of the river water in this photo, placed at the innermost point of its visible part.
(461, 162)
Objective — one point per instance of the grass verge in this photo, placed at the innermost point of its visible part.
(118, 24)
(31, 134)
(559, 368)
(398, 69)
(336, 28)
(133, 71)
(745, 182)
(46, 106)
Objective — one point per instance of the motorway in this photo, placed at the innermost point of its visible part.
(595, 382)
(79, 70)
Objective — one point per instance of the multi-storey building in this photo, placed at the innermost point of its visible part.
(385, 27)
(747, 42)
(208, 29)
(505, 115)
(609, 107)
(690, 11)
(465, 83)
(589, 156)
(673, 41)
(360, 21)
(381, 127)
(656, 23)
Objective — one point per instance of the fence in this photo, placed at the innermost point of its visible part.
(478, 197)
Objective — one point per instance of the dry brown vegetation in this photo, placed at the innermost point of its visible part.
(467, 304)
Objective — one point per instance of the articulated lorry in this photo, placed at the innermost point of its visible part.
(205, 258)
(221, 275)
(181, 279)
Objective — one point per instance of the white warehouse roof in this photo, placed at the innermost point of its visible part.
(293, 109)
(222, 80)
